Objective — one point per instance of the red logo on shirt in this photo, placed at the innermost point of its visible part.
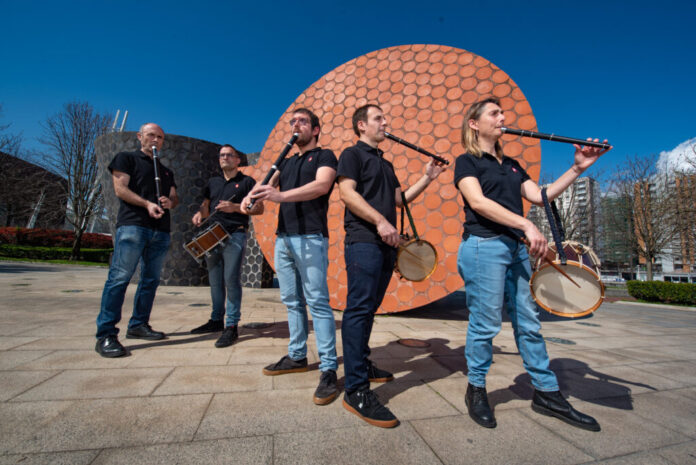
(236, 185)
(514, 170)
(310, 159)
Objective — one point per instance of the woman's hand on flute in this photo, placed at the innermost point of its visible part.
(434, 168)
(585, 155)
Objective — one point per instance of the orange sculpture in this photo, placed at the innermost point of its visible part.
(423, 90)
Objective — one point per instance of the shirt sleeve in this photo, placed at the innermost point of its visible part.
(464, 167)
(348, 165)
(206, 191)
(122, 162)
(327, 158)
(523, 173)
(392, 175)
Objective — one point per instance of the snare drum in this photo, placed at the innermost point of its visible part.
(416, 260)
(557, 294)
(206, 241)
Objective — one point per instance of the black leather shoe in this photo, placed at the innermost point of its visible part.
(144, 331)
(110, 347)
(477, 402)
(365, 404)
(554, 405)
(377, 375)
(210, 327)
(229, 335)
(327, 390)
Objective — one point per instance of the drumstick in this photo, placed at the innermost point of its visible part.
(550, 262)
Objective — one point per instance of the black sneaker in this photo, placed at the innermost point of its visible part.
(210, 327)
(144, 331)
(377, 375)
(327, 390)
(364, 403)
(229, 335)
(110, 347)
(286, 365)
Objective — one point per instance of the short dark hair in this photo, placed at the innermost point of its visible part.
(228, 145)
(313, 119)
(361, 115)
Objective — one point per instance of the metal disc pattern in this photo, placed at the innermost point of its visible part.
(423, 91)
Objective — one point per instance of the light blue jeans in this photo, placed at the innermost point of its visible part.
(494, 269)
(301, 263)
(132, 245)
(224, 273)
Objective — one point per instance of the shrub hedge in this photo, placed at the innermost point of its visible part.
(53, 253)
(52, 238)
(661, 291)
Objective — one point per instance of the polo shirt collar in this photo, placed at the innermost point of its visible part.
(370, 149)
(308, 151)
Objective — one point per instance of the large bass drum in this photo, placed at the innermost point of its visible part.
(557, 294)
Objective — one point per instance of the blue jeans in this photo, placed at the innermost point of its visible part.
(301, 262)
(494, 269)
(369, 268)
(224, 273)
(132, 245)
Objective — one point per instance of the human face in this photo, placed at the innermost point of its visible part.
(229, 159)
(373, 129)
(302, 125)
(150, 135)
(489, 123)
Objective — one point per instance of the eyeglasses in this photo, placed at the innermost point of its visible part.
(301, 121)
(228, 155)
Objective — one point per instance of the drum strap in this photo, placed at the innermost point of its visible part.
(556, 227)
(404, 205)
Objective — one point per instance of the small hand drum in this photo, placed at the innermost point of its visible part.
(416, 260)
(558, 295)
(206, 241)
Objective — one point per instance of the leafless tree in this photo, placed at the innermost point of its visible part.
(9, 143)
(653, 203)
(69, 136)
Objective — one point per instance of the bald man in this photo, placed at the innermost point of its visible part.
(142, 233)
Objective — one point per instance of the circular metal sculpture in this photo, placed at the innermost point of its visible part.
(423, 91)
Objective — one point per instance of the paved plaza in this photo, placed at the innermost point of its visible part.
(181, 400)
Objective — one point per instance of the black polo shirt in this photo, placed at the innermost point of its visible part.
(233, 190)
(376, 183)
(140, 167)
(309, 216)
(500, 182)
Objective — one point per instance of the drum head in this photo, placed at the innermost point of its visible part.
(558, 295)
(416, 260)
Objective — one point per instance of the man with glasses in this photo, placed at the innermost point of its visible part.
(302, 188)
(142, 235)
(223, 194)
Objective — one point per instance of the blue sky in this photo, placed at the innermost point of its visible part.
(225, 72)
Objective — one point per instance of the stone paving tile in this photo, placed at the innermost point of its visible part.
(623, 431)
(97, 384)
(689, 393)
(680, 454)
(639, 458)
(411, 400)
(243, 354)
(595, 358)
(177, 356)
(458, 440)
(10, 342)
(358, 445)
(669, 410)
(16, 382)
(269, 412)
(249, 450)
(307, 379)
(11, 359)
(684, 372)
(213, 379)
(658, 354)
(84, 457)
(74, 360)
(41, 426)
(59, 343)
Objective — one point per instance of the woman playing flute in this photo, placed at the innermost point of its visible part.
(494, 262)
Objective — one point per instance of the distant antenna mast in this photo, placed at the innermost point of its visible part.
(123, 123)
